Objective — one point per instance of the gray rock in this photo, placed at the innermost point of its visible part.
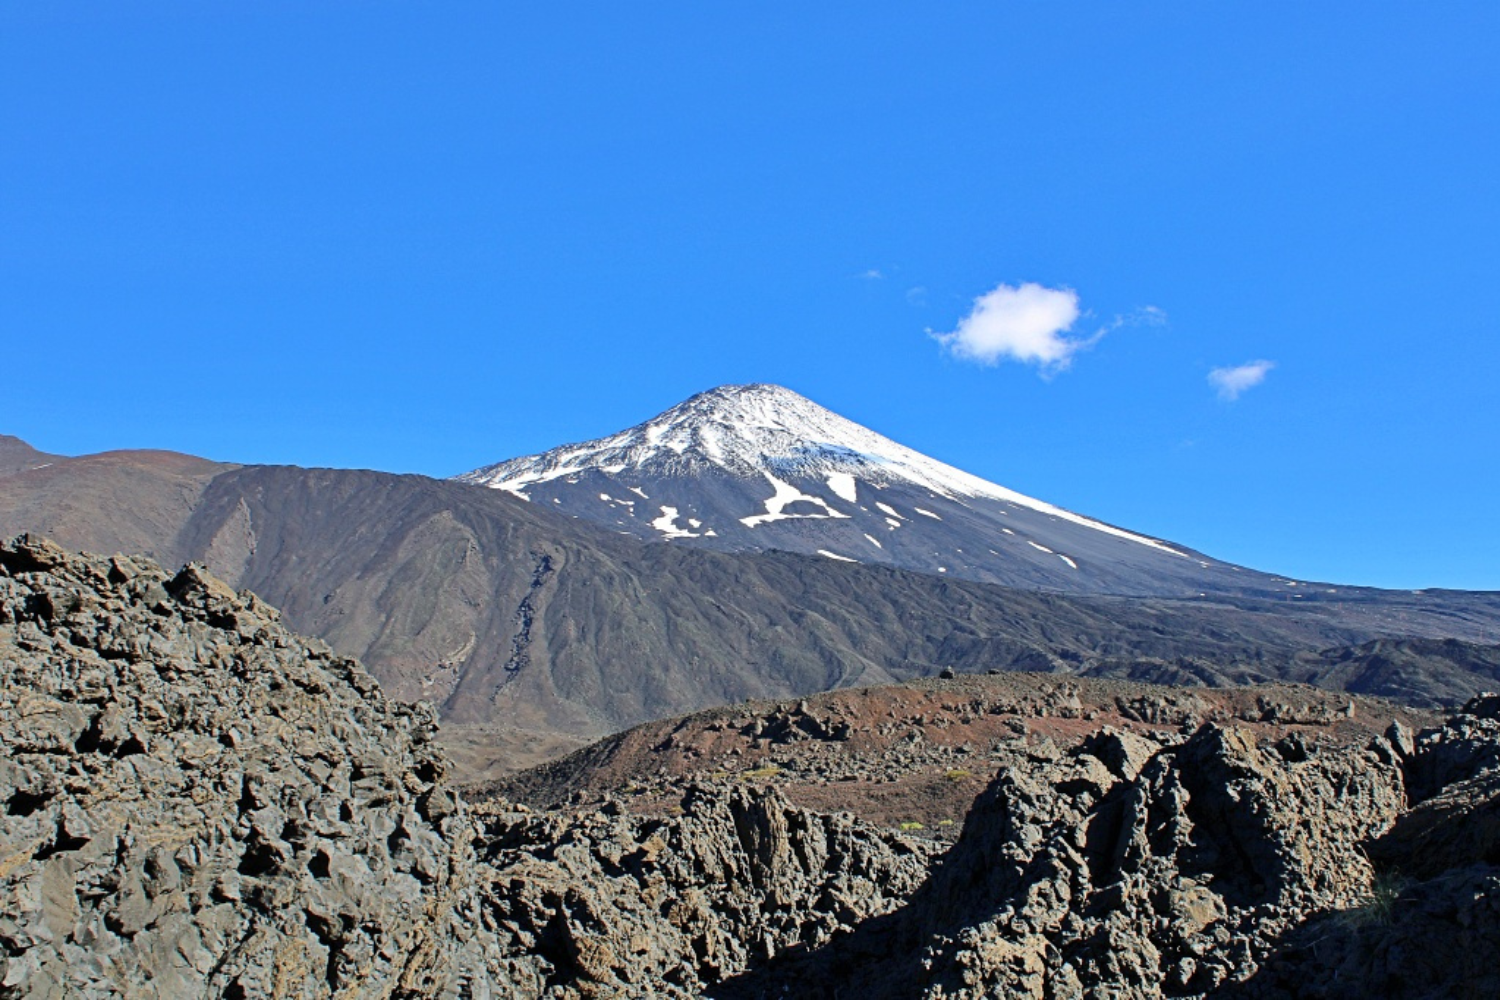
(197, 802)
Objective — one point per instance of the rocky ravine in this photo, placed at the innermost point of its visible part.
(196, 802)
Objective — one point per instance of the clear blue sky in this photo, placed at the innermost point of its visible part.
(425, 237)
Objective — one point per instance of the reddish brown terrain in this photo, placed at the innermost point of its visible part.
(914, 756)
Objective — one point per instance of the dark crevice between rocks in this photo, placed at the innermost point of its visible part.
(92, 740)
(330, 933)
(61, 843)
(1104, 833)
(259, 859)
(556, 945)
(246, 801)
(23, 803)
(292, 833)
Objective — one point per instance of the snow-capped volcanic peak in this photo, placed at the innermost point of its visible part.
(770, 434)
(743, 429)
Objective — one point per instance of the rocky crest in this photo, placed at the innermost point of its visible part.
(199, 803)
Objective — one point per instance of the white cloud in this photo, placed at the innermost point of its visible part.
(873, 274)
(1026, 323)
(1231, 382)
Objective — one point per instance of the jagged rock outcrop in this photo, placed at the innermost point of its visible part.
(196, 802)
(605, 904)
(1430, 925)
(1125, 868)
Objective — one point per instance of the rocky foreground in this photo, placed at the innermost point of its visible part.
(196, 802)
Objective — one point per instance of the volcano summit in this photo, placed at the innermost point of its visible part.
(759, 467)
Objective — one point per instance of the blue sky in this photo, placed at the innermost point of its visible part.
(429, 237)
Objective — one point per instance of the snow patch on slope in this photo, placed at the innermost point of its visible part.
(842, 485)
(786, 494)
(667, 524)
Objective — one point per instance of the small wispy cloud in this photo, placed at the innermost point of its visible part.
(1231, 382)
(1144, 316)
(1028, 323)
(872, 274)
(916, 295)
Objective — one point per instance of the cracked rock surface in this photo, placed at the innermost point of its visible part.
(194, 801)
(604, 904)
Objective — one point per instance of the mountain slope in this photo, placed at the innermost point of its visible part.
(758, 467)
(117, 501)
(547, 630)
(18, 456)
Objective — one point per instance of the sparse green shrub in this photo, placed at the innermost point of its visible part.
(957, 774)
(911, 825)
(1379, 904)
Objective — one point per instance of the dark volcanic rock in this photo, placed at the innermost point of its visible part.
(1083, 877)
(197, 802)
(1429, 926)
(614, 905)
